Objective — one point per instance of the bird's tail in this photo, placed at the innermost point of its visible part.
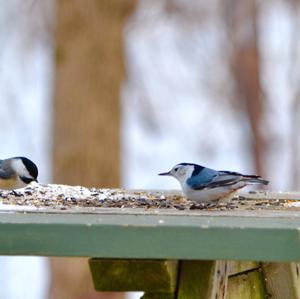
(255, 179)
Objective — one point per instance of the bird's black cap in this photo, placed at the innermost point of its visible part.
(31, 167)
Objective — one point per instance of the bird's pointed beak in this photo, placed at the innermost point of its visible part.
(165, 173)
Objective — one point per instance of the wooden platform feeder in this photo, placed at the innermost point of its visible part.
(159, 243)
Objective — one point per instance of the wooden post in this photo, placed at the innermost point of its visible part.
(202, 279)
(282, 280)
(89, 72)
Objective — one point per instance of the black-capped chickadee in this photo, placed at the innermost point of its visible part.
(17, 172)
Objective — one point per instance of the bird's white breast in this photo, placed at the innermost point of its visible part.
(210, 194)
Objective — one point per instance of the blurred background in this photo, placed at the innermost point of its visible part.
(108, 93)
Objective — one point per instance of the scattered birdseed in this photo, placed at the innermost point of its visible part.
(62, 197)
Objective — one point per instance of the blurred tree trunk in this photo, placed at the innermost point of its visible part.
(241, 17)
(294, 79)
(89, 72)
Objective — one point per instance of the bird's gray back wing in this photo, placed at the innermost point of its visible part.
(225, 178)
(5, 172)
(216, 179)
(202, 179)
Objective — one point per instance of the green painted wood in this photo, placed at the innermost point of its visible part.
(155, 276)
(282, 280)
(151, 236)
(247, 285)
(202, 279)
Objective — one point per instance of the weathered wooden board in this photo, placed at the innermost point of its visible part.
(236, 267)
(155, 276)
(158, 296)
(282, 280)
(247, 285)
(202, 279)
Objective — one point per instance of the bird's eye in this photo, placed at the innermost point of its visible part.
(175, 169)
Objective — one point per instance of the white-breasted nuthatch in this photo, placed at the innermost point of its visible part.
(199, 183)
(17, 172)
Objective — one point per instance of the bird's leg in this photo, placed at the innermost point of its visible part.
(227, 197)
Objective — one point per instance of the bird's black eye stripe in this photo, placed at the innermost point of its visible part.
(26, 180)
